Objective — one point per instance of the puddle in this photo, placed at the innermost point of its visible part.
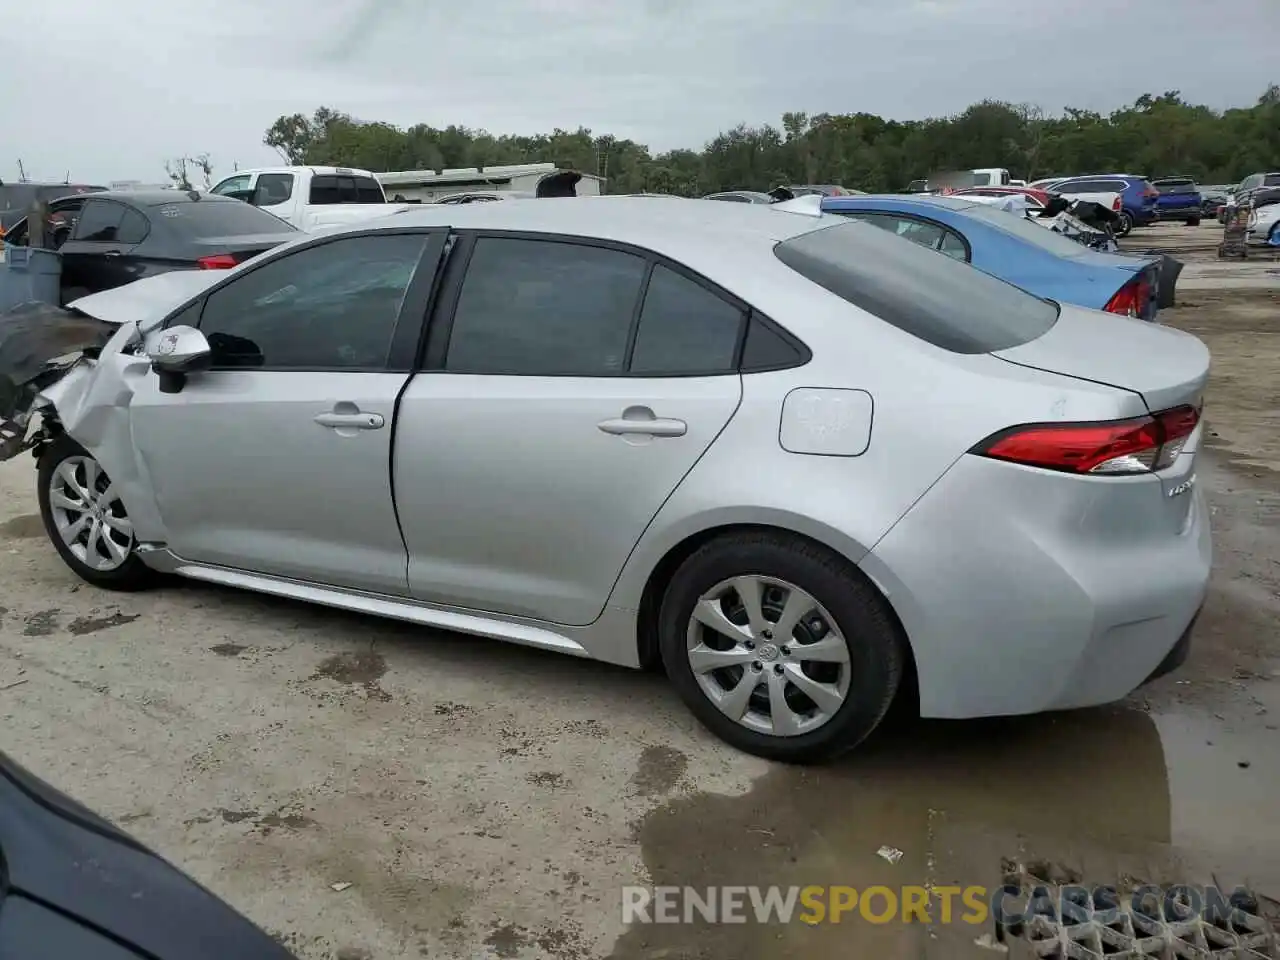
(1089, 791)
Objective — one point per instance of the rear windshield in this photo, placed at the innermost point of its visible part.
(929, 295)
(200, 219)
(1024, 229)
(1180, 185)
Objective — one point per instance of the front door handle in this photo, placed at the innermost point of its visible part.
(356, 421)
(641, 421)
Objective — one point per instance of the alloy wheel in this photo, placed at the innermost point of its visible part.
(768, 655)
(88, 514)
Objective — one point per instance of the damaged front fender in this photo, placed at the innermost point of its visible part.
(39, 345)
(86, 394)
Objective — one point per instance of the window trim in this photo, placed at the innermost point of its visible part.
(435, 352)
(410, 325)
(918, 218)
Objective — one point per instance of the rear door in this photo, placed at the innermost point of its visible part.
(96, 257)
(569, 388)
(277, 460)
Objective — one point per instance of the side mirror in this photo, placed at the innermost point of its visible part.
(177, 352)
(180, 349)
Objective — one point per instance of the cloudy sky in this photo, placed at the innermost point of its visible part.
(116, 87)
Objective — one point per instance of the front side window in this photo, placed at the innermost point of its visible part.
(544, 308)
(329, 307)
(684, 328)
(232, 186)
(272, 189)
(99, 222)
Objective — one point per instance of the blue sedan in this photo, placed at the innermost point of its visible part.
(1014, 249)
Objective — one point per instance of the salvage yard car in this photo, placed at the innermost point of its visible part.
(109, 239)
(1014, 249)
(310, 197)
(804, 465)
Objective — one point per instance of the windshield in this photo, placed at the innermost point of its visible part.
(941, 300)
(1024, 229)
(200, 219)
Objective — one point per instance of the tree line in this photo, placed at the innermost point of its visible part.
(1157, 136)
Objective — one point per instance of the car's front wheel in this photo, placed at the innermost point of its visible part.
(779, 646)
(86, 520)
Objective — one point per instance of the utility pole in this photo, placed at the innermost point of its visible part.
(22, 173)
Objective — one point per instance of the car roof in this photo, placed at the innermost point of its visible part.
(151, 198)
(625, 219)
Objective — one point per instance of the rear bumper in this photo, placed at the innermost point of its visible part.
(1180, 213)
(1023, 591)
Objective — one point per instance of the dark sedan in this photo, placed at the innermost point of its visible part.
(112, 238)
(73, 886)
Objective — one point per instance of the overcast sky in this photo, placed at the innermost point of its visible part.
(113, 88)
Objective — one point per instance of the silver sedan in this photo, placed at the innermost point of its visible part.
(803, 465)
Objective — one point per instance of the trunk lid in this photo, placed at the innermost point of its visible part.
(1165, 367)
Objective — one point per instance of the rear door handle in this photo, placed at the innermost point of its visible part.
(111, 253)
(640, 421)
(357, 421)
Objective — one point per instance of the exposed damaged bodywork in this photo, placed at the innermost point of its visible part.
(39, 344)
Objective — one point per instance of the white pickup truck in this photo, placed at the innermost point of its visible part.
(311, 197)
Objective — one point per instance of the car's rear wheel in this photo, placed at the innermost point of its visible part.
(1193, 222)
(86, 520)
(1124, 224)
(779, 646)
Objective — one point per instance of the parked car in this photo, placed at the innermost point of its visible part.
(1137, 197)
(1014, 249)
(917, 186)
(73, 885)
(310, 197)
(1047, 182)
(741, 196)
(1179, 199)
(16, 198)
(1264, 220)
(658, 447)
(487, 196)
(1036, 197)
(1213, 198)
(1252, 183)
(820, 189)
(110, 239)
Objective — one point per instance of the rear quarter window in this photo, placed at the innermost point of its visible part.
(201, 219)
(936, 298)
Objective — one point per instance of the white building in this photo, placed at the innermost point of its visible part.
(429, 186)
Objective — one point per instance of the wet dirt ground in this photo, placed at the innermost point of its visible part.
(369, 790)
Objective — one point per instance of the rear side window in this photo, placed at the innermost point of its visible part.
(368, 190)
(99, 222)
(938, 299)
(1271, 180)
(544, 308)
(329, 189)
(685, 328)
(203, 219)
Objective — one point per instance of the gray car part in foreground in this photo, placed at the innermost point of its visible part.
(908, 472)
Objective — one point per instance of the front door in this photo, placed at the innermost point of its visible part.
(578, 386)
(276, 461)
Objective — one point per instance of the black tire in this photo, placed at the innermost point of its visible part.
(1193, 222)
(131, 575)
(877, 649)
(1124, 224)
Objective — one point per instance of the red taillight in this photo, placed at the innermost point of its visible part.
(1116, 205)
(1115, 447)
(1131, 300)
(217, 261)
